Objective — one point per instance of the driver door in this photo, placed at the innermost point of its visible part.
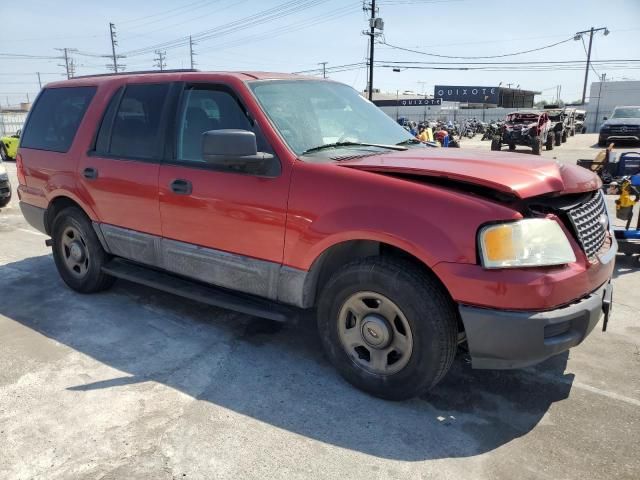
(219, 225)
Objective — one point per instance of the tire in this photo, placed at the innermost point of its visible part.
(564, 137)
(419, 306)
(512, 146)
(5, 201)
(550, 141)
(572, 132)
(557, 138)
(3, 152)
(72, 232)
(496, 145)
(536, 145)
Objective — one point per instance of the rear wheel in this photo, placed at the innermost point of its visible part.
(387, 327)
(3, 152)
(77, 252)
(564, 136)
(496, 144)
(512, 146)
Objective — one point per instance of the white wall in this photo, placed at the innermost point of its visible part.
(11, 122)
(610, 95)
(419, 113)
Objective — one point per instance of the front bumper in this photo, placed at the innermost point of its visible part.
(5, 189)
(605, 137)
(501, 339)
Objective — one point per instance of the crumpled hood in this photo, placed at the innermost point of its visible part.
(519, 175)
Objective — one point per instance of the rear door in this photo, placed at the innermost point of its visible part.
(221, 224)
(120, 175)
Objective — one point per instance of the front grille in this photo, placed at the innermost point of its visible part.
(625, 129)
(590, 222)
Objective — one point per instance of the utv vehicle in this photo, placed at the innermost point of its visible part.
(580, 119)
(561, 123)
(528, 128)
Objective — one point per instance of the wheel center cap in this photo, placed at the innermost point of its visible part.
(375, 331)
(76, 252)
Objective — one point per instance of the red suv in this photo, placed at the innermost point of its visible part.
(272, 193)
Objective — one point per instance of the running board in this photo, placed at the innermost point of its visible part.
(218, 297)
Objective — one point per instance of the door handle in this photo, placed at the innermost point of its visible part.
(181, 187)
(90, 173)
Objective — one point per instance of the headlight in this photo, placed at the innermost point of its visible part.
(526, 243)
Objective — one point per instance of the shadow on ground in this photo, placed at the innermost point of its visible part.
(274, 374)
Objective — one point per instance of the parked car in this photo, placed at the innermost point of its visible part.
(5, 186)
(624, 125)
(273, 194)
(9, 146)
(528, 128)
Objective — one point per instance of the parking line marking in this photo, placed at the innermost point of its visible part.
(33, 232)
(592, 389)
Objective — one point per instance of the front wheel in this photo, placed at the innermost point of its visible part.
(536, 145)
(496, 144)
(4, 156)
(387, 327)
(550, 139)
(77, 252)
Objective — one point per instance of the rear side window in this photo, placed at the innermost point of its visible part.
(135, 124)
(55, 118)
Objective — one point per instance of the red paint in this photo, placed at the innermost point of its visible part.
(294, 218)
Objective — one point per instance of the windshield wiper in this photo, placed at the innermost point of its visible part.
(409, 141)
(352, 144)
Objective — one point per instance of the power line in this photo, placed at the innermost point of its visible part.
(396, 47)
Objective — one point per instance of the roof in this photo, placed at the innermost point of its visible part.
(177, 75)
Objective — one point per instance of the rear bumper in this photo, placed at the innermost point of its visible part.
(500, 339)
(34, 216)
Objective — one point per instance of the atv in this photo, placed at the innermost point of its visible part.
(528, 128)
(562, 122)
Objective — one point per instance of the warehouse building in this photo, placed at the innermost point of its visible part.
(605, 96)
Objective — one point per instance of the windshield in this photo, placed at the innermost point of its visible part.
(522, 118)
(626, 112)
(309, 114)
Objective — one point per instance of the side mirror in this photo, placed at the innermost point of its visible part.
(231, 148)
(605, 118)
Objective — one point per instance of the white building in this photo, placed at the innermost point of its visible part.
(605, 96)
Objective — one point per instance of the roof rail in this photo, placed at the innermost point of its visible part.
(139, 72)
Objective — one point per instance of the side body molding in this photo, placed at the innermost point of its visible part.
(237, 272)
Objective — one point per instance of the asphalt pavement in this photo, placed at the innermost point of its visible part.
(134, 383)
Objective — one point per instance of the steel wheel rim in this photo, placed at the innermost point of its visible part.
(75, 253)
(375, 333)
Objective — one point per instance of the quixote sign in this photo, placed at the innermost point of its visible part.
(408, 102)
(467, 94)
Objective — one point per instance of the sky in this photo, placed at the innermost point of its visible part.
(296, 35)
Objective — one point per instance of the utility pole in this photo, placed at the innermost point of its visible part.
(372, 42)
(375, 23)
(324, 69)
(604, 75)
(68, 63)
(191, 54)
(114, 42)
(578, 36)
(39, 81)
(161, 59)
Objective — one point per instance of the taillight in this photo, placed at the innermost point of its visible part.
(22, 179)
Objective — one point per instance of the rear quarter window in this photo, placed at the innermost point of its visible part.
(55, 118)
